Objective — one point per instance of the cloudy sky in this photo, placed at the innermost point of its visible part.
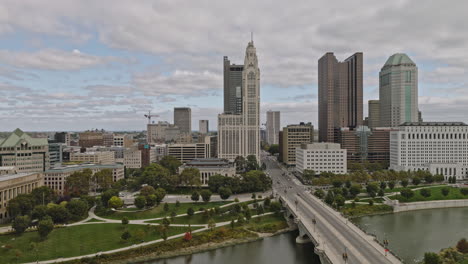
(76, 65)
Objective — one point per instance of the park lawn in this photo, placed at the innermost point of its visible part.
(75, 241)
(158, 211)
(436, 194)
(398, 189)
(365, 209)
(267, 224)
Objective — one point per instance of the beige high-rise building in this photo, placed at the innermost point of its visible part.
(291, 138)
(273, 127)
(97, 157)
(239, 134)
(23, 152)
(374, 114)
(132, 158)
(203, 127)
(125, 141)
(339, 94)
(183, 119)
(187, 152)
(162, 132)
(398, 91)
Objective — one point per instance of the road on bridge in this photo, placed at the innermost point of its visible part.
(335, 234)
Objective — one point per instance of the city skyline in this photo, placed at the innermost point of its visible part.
(67, 75)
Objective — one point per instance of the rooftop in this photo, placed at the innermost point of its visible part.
(18, 135)
(433, 124)
(8, 177)
(398, 59)
(83, 166)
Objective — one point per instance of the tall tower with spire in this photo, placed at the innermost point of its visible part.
(239, 134)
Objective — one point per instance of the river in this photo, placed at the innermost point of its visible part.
(410, 235)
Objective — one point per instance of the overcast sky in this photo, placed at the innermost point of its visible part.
(77, 65)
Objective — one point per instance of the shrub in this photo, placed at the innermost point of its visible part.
(445, 191)
(425, 192)
(125, 220)
(464, 191)
(407, 193)
(21, 223)
(140, 202)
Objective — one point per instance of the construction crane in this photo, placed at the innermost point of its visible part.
(149, 116)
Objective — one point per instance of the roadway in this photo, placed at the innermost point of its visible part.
(335, 234)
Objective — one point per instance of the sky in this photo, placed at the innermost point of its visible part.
(83, 64)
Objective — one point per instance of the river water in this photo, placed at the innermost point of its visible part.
(410, 234)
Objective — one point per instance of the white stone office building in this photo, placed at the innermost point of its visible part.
(239, 134)
(209, 167)
(273, 127)
(321, 157)
(398, 91)
(96, 157)
(439, 147)
(203, 127)
(132, 158)
(162, 132)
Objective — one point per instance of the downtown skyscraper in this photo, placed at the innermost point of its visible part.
(340, 94)
(183, 119)
(398, 91)
(232, 87)
(273, 127)
(239, 133)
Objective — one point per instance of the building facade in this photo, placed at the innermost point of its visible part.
(188, 152)
(162, 132)
(398, 91)
(273, 127)
(439, 147)
(90, 139)
(55, 153)
(56, 178)
(374, 114)
(11, 185)
(233, 81)
(209, 167)
(132, 159)
(203, 127)
(125, 141)
(321, 157)
(292, 137)
(183, 119)
(239, 134)
(25, 153)
(340, 94)
(96, 157)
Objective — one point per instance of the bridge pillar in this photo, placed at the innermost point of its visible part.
(303, 237)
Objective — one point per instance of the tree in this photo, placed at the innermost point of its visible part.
(43, 195)
(425, 192)
(273, 149)
(190, 177)
(20, 205)
(105, 196)
(233, 224)
(391, 185)
(329, 198)
(165, 222)
(140, 202)
(39, 212)
(159, 177)
(160, 194)
(275, 207)
(195, 196)
(260, 210)
(59, 214)
(372, 188)
(44, 227)
(166, 207)
(240, 219)
(462, 246)
(445, 191)
(383, 185)
(206, 195)
(339, 200)
(170, 163)
(407, 193)
(248, 214)
(355, 190)
(211, 224)
(319, 193)
(190, 212)
(188, 236)
(77, 208)
(177, 204)
(147, 190)
(381, 193)
(429, 178)
(404, 183)
(21, 223)
(252, 163)
(103, 179)
(115, 202)
(431, 258)
(241, 164)
(308, 174)
(78, 183)
(151, 200)
(125, 220)
(337, 183)
(464, 191)
(439, 178)
(224, 192)
(126, 235)
(371, 202)
(266, 203)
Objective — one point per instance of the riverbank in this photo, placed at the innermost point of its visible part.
(438, 204)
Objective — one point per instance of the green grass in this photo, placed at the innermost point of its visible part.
(267, 224)
(365, 209)
(75, 241)
(158, 211)
(397, 189)
(436, 194)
